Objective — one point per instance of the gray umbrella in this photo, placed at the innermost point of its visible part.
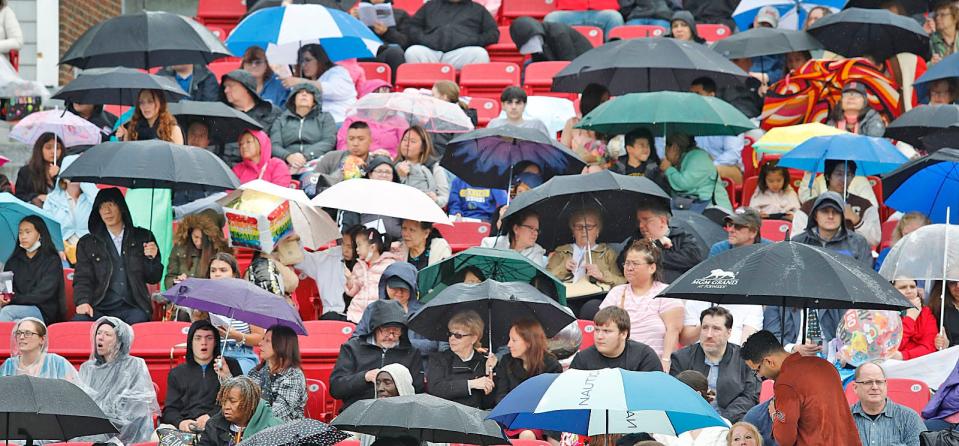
(306, 432)
(48, 409)
(765, 42)
(117, 86)
(226, 123)
(422, 416)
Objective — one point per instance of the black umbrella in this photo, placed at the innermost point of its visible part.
(226, 123)
(941, 139)
(422, 416)
(704, 229)
(145, 40)
(117, 86)
(765, 42)
(498, 303)
(921, 121)
(892, 180)
(305, 432)
(877, 32)
(643, 65)
(616, 196)
(48, 409)
(913, 7)
(485, 157)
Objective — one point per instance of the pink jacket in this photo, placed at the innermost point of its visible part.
(269, 169)
(364, 285)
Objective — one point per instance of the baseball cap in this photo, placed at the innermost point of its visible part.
(397, 283)
(856, 86)
(768, 15)
(745, 217)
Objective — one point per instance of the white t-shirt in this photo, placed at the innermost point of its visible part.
(751, 315)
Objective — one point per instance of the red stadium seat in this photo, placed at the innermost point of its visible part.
(71, 308)
(320, 349)
(220, 10)
(713, 32)
(72, 340)
(410, 6)
(775, 230)
(592, 33)
(539, 79)
(750, 162)
(244, 256)
(318, 405)
(518, 442)
(488, 79)
(749, 188)
(587, 328)
(505, 50)
(730, 187)
(536, 9)
(911, 393)
(6, 328)
(348, 443)
(156, 343)
(377, 70)
(486, 110)
(223, 66)
(627, 32)
(464, 234)
(307, 296)
(423, 75)
(888, 227)
(766, 391)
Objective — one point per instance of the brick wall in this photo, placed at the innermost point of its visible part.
(76, 16)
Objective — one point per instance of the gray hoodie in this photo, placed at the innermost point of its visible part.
(312, 135)
(845, 241)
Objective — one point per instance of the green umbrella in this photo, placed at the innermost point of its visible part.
(502, 265)
(666, 112)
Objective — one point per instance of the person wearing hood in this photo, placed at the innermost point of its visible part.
(392, 381)
(242, 414)
(70, 204)
(398, 283)
(257, 160)
(96, 115)
(303, 131)
(192, 386)
(854, 114)
(456, 32)
(115, 262)
(463, 374)
(713, 11)
(197, 80)
(37, 275)
(860, 215)
(362, 357)
(603, 14)
(238, 90)
(547, 41)
(683, 27)
(119, 383)
(29, 354)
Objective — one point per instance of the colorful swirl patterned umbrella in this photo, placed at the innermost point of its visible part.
(70, 128)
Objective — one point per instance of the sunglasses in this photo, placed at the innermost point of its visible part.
(457, 335)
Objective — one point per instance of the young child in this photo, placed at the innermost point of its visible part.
(774, 197)
(372, 258)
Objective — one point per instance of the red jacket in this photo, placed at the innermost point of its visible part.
(919, 336)
(584, 5)
(811, 409)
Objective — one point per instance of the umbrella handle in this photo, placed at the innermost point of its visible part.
(945, 256)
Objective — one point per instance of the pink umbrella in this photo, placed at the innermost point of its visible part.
(402, 110)
(70, 128)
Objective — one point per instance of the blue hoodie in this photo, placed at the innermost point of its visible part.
(407, 273)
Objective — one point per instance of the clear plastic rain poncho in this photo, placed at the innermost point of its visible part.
(47, 365)
(121, 385)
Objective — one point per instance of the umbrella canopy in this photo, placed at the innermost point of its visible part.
(305, 432)
(947, 68)
(872, 155)
(283, 30)
(422, 416)
(912, 7)
(616, 196)
(940, 139)
(402, 110)
(237, 299)
(117, 86)
(879, 33)
(783, 139)
(498, 303)
(765, 42)
(145, 40)
(152, 164)
(614, 401)
(343, 5)
(786, 274)
(226, 123)
(792, 12)
(651, 64)
(385, 198)
(485, 157)
(924, 255)
(503, 265)
(705, 230)
(929, 185)
(666, 112)
(921, 121)
(48, 409)
(70, 128)
(12, 210)
(314, 226)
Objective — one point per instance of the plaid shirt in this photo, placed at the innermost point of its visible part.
(897, 425)
(285, 392)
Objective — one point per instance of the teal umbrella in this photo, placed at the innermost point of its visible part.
(12, 210)
(666, 112)
(501, 265)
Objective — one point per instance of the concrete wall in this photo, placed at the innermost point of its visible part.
(26, 11)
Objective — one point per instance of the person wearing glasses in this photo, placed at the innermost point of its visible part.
(809, 405)
(681, 250)
(333, 81)
(879, 419)
(29, 355)
(268, 83)
(362, 357)
(521, 238)
(464, 373)
(584, 259)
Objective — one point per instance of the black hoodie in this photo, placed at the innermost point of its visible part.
(191, 388)
(360, 355)
(95, 266)
(560, 41)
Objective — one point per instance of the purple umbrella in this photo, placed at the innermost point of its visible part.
(237, 299)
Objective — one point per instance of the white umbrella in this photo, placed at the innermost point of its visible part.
(401, 110)
(70, 128)
(382, 198)
(314, 226)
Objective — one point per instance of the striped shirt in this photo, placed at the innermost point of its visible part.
(646, 322)
(897, 425)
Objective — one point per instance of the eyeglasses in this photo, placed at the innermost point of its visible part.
(536, 230)
(25, 334)
(874, 382)
(631, 264)
(256, 62)
(582, 227)
(457, 335)
(393, 332)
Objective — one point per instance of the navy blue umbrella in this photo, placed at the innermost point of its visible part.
(947, 68)
(929, 185)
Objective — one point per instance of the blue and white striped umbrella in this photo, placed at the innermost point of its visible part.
(282, 30)
(792, 13)
(614, 401)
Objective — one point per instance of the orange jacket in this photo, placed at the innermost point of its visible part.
(811, 409)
